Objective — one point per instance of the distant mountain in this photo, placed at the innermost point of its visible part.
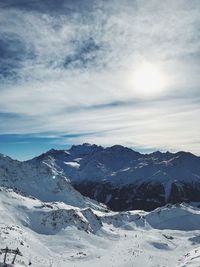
(124, 179)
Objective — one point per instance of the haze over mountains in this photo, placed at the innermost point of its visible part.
(124, 179)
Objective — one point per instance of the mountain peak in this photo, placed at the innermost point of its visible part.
(84, 149)
(186, 154)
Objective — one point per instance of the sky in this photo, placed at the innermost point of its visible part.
(105, 72)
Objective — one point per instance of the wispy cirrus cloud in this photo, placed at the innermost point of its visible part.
(66, 70)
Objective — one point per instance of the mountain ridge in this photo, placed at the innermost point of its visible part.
(123, 178)
(54, 225)
(40, 181)
(120, 177)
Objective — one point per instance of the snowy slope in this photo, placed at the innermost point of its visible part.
(191, 259)
(56, 234)
(54, 225)
(42, 182)
(124, 179)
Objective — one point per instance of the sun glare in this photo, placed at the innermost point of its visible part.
(148, 79)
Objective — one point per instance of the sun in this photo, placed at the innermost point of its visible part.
(148, 80)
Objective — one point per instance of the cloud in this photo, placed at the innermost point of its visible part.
(66, 69)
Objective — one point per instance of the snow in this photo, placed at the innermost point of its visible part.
(168, 187)
(191, 259)
(108, 198)
(182, 218)
(41, 181)
(72, 164)
(55, 226)
(121, 166)
(57, 234)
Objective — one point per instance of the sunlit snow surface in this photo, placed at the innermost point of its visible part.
(57, 234)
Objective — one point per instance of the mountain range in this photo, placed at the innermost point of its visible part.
(124, 179)
(52, 224)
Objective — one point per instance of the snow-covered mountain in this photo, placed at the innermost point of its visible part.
(54, 225)
(42, 182)
(56, 234)
(124, 179)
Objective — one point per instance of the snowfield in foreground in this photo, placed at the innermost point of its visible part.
(56, 234)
